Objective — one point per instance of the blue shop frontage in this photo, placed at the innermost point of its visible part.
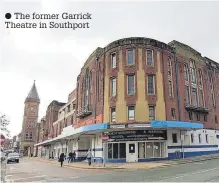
(139, 142)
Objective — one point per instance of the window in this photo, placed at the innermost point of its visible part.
(131, 112)
(186, 73)
(193, 72)
(151, 88)
(72, 119)
(31, 136)
(200, 78)
(116, 150)
(201, 98)
(169, 70)
(187, 95)
(205, 118)
(131, 84)
(27, 136)
(216, 121)
(197, 117)
(173, 113)
(151, 112)
(113, 114)
(212, 89)
(90, 81)
(113, 87)
(206, 138)
(174, 138)
(190, 116)
(199, 138)
(149, 58)
(113, 60)
(194, 97)
(192, 138)
(130, 57)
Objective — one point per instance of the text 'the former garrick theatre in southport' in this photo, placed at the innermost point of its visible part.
(137, 99)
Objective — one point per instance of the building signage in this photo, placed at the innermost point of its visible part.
(137, 135)
(118, 126)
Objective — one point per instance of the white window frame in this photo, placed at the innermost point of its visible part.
(113, 60)
(152, 55)
(113, 86)
(131, 118)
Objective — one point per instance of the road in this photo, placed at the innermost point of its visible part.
(33, 171)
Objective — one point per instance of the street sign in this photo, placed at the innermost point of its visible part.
(2, 139)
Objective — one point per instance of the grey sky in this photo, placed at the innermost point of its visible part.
(54, 57)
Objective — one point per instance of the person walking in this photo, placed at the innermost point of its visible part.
(70, 157)
(73, 156)
(89, 157)
(61, 158)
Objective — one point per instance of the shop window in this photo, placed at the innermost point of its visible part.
(131, 113)
(199, 138)
(113, 60)
(116, 150)
(173, 113)
(131, 148)
(157, 150)
(206, 138)
(122, 150)
(174, 138)
(141, 150)
(149, 150)
(192, 138)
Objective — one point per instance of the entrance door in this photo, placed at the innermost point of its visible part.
(131, 152)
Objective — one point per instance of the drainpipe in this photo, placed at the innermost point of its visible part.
(177, 83)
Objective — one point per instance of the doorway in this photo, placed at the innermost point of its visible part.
(131, 152)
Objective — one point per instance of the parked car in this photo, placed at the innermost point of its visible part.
(13, 157)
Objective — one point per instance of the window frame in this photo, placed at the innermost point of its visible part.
(174, 140)
(111, 114)
(152, 57)
(113, 65)
(133, 56)
(154, 112)
(128, 76)
(131, 119)
(153, 77)
(112, 80)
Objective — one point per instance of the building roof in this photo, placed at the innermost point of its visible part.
(33, 93)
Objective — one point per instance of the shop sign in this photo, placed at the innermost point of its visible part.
(138, 125)
(137, 135)
(118, 126)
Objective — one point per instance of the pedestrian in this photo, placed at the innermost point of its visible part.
(70, 157)
(73, 156)
(89, 157)
(61, 158)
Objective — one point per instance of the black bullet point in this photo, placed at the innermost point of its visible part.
(8, 15)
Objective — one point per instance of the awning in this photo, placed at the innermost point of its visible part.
(176, 124)
(76, 132)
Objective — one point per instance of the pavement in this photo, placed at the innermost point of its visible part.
(30, 170)
(142, 165)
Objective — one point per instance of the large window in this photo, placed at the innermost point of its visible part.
(116, 150)
(130, 57)
(201, 98)
(113, 86)
(113, 60)
(151, 88)
(186, 73)
(131, 84)
(187, 94)
(149, 58)
(131, 112)
(151, 149)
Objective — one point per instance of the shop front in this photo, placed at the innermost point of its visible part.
(135, 145)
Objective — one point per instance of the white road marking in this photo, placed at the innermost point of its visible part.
(39, 176)
(188, 174)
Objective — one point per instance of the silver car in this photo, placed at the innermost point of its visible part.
(13, 157)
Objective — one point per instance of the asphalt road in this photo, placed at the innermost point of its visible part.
(33, 171)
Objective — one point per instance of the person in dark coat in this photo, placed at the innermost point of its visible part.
(70, 157)
(73, 156)
(61, 158)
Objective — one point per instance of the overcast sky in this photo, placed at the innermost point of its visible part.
(53, 57)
